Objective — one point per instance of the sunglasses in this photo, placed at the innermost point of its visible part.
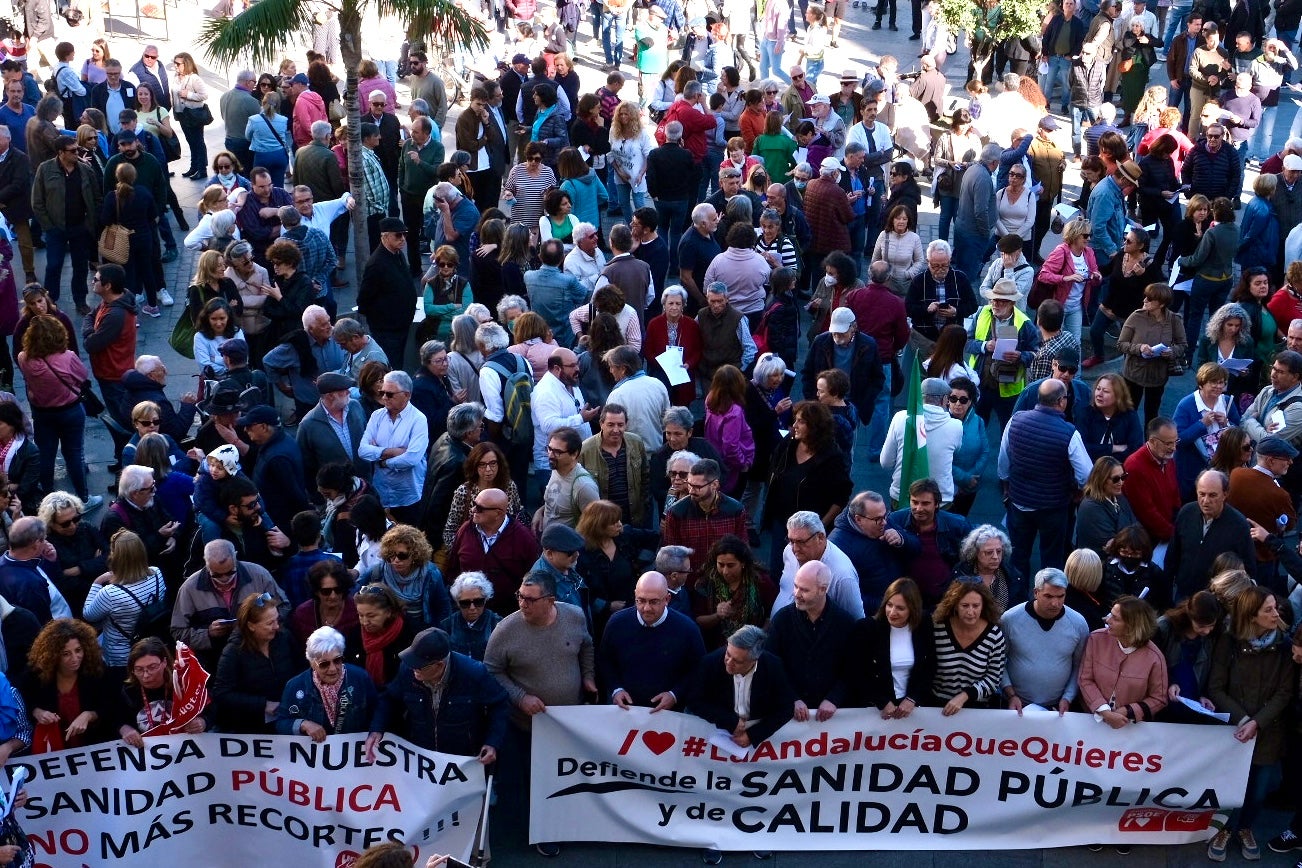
(76, 519)
(151, 57)
(398, 556)
(959, 399)
(446, 264)
(476, 603)
(331, 592)
(263, 599)
(535, 159)
(1118, 478)
(678, 474)
(147, 423)
(329, 664)
(384, 394)
(479, 507)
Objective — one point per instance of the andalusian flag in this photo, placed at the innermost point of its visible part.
(915, 465)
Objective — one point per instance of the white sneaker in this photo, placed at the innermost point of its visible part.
(165, 298)
(141, 300)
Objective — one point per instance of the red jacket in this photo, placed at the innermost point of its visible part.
(656, 340)
(881, 315)
(1153, 492)
(695, 126)
(308, 109)
(505, 563)
(109, 336)
(829, 214)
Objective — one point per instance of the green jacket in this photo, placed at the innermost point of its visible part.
(47, 195)
(639, 473)
(415, 179)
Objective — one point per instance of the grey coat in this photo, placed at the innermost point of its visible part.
(320, 445)
(976, 201)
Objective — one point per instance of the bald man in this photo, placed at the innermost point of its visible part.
(495, 544)
(812, 638)
(648, 652)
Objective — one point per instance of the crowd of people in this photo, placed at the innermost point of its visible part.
(559, 453)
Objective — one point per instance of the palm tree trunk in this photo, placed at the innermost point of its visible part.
(350, 49)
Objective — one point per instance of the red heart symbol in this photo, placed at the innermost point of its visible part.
(658, 742)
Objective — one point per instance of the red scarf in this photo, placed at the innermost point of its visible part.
(374, 646)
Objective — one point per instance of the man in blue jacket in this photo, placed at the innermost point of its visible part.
(879, 549)
(940, 535)
(472, 711)
(649, 652)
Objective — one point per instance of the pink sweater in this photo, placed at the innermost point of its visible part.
(53, 382)
(731, 436)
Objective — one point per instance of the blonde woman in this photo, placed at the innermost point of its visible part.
(190, 97)
(215, 200)
(629, 146)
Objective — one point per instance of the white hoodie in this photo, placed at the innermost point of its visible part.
(944, 435)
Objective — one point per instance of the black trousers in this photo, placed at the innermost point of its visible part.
(412, 206)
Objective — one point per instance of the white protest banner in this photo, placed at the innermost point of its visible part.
(977, 780)
(256, 800)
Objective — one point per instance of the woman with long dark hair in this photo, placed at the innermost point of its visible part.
(808, 473)
(485, 467)
(733, 591)
(949, 356)
(901, 652)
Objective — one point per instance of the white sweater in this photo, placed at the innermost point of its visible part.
(944, 435)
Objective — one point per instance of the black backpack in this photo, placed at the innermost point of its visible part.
(155, 617)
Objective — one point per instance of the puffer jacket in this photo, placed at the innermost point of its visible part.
(587, 196)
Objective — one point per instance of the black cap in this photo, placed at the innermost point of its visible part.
(430, 646)
(259, 415)
(562, 538)
(393, 224)
(332, 382)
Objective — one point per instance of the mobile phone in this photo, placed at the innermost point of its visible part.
(455, 863)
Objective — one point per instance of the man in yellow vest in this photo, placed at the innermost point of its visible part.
(1000, 346)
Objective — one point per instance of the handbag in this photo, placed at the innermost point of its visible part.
(85, 394)
(115, 240)
(171, 144)
(182, 337)
(201, 115)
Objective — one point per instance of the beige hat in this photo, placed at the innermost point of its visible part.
(1129, 172)
(1003, 290)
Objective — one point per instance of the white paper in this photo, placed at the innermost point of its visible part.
(1183, 286)
(1275, 421)
(1198, 707)
(723, 741)
(1030, 709)
(1004, 345)
(671, 362)
(1236, 366)
(1175, 274)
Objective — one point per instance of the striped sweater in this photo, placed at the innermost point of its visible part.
(976, 670)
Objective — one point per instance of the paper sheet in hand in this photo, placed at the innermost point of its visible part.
(1275, 421)
(1198, 707)
(723, 741)
(1004, 345)
(1030, 709)
(1236, 366)
(671, 362)
(1182, 286)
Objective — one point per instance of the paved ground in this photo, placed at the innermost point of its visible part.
(859, 48)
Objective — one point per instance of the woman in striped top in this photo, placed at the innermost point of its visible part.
(778, 249)
(970, 650)
(526, 186)
(116, 598)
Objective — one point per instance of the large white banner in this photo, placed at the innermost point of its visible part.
(246, 800)
(977, 780)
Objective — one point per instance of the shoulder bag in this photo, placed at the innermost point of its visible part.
(115, 240)
(289, 155)
(85, 393)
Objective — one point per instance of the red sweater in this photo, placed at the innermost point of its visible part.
(505, 563)
(656, 341)
(1153, 492)
(695, 126)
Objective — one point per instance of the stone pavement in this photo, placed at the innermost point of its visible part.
(859, 47)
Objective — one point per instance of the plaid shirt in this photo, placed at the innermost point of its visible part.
(609, 101)
(377, 186)
(686, 525)
(1042, 365)
(318, 255)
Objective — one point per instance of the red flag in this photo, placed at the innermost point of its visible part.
(189, 693)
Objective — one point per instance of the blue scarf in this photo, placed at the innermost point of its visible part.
(543, 114)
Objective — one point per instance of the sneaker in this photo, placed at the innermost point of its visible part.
(165, 298)
(93, 502)
(1091, 362)
(140, 300)
(150, 310)
(1285, 842)
(548, 849)
(1217, 846)
(169, 255)
(1248, 843)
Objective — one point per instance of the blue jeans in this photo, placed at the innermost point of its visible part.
(275, 162)
(596, 9)
(948, 205)
(1079, 113)
(881, 415)
(1176, 17)
(970, 253)
(1050, 525)
(1206, 294)
(75, 240)
(65, 429)
(612, 36)
(1261, 142)
(813, 69)
(1289, 38)
(771, 61)
(388, 69)
(1059, 72)
(628, 200)
(673, 220)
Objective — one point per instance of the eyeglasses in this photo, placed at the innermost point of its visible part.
(770, 92)
(492, 463)
(476, 603)
(1212, 136)
(535, 159)
(799, 542)
(446, 264)
(398, 556)
(151, 57)
(147, 423)
(875, 519)
(648, 601)
(702, 487)
(336, 591)
(146, 670)
(552, 450)
(219, 576)
(800, 77)
(76, 519)
(959, 399)
(529, 601)
(1088, 235)
(329, 664)
(479, 507)
(678, 474)
(1118, 478)
(220, 166)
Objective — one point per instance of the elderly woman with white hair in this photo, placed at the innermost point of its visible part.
(509, 309)
(677, 425)
(986, 557)
(471, 622)
(677, 469)
(674, 329)
(464, 358)
(332, 697)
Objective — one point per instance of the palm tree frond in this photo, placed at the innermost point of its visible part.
(260, 34)
(443, 25)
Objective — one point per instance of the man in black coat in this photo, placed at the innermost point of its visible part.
(812, 638)
(387, 296)
(865, 373)
(121, 92)
(390, 147)
(1203, 530)
(15, 197)
(766, 702)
